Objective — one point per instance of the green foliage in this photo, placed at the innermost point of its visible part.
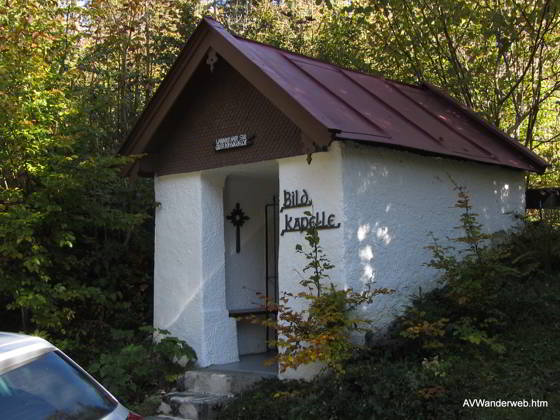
(127, 48)
(368, 389)
(536, 248)
(75, 237)
(320, 331)
(139, 365)
(473, 276)
(413, 379)
(68, 256)
(476, 272)
(486, 284)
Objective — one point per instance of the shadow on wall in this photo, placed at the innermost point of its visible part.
(394, 200)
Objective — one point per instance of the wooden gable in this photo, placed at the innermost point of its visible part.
(216, 104)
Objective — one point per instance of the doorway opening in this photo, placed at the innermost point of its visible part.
(251, 235)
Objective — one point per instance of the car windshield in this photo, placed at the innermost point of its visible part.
(51, 388)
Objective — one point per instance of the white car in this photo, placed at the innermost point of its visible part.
(39, 382)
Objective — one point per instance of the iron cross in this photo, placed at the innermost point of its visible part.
(237, 218)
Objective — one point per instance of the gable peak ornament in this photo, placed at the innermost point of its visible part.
(237, 217)
(212, 59)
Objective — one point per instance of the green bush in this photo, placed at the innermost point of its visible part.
(141, 365)
(535, 249)
(494, 321)
(473, 276)
(370, 388)
(320, 332)
(76, 254)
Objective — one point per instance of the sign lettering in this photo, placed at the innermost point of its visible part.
(233, 142)
(295, 199)
(318, 220)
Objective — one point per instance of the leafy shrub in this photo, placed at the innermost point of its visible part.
(76, 254)
(141, 365)
(431, 373)
(487, 286)
(535, 249)
(370, 388)
(321, 331)
(473, 279)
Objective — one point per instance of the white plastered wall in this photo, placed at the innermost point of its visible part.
(388, 202)
(189, 265)
(393, 200)
(322, 179)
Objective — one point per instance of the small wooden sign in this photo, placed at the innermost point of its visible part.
(233, 142)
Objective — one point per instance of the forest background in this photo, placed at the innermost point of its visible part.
(76, 238)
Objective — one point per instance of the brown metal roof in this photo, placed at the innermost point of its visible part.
(331, 103)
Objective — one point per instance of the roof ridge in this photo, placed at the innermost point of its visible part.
(308, 57)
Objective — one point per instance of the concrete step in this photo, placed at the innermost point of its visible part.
(217, 382)
(202, 391)
(192, 405)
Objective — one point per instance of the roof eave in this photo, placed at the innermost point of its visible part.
(164, 97)
(538, 164)
(370, 141)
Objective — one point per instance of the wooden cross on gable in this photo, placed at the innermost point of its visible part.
(237, 218)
